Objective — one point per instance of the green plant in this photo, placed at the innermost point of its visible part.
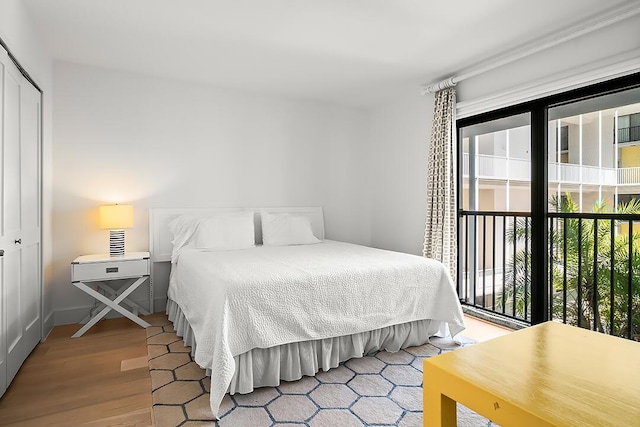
(588, 290)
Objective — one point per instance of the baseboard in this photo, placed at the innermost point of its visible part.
(159, 305)
(47, 325)
(75, 315)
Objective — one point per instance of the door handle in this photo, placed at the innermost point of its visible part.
(1, 252)
(18, 241)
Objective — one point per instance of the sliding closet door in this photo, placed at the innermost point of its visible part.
(11, 214)
(29, 299)
(19, 221)
(3, 240)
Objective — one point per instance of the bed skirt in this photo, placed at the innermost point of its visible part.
(262, 367)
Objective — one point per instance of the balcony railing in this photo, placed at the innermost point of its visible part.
(502, 168)
(629, 134)
(628, 176)
(488, 260)
(498, 167)
(594, 268)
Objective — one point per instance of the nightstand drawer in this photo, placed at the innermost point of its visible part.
(109, 270)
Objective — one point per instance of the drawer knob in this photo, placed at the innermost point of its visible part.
(18, 241)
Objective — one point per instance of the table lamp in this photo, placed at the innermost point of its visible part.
(116, 218)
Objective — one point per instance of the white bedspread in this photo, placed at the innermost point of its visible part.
(267, 296)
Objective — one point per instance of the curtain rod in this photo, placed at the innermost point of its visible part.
(585, 27)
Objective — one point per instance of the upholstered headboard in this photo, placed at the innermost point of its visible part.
(160, 236)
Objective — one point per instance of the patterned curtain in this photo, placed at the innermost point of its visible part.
(440, 241)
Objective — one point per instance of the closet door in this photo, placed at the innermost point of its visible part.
(3, 240)
(20, 219)
(28, 330)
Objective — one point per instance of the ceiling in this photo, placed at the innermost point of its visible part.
(353, 52)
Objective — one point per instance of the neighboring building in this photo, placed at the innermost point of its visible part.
(590, 157)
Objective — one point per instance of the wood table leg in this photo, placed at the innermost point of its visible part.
(439, 410)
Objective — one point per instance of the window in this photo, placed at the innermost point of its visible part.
(629, 128)
(564, 139)
(626, 198)
(535, 181)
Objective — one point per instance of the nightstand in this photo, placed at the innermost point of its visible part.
(92, 273)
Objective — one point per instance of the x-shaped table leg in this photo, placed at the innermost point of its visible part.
(135, 308)
(110, 305)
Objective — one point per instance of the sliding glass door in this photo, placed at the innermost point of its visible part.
(549, 209)
(495, 214)
(594, 195)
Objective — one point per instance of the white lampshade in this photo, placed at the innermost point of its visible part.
(116, 217)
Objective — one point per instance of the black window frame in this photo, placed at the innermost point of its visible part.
(538, 110)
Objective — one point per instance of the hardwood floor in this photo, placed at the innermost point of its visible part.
(99, 379)
(482, 330)
(102, 378)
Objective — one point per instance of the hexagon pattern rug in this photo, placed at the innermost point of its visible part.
(384, 389)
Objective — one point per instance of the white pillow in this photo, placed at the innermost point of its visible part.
(185, 227)
(226, 232)
(286, 229)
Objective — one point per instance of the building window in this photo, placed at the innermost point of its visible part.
(564, 139)
(562, 155)
(626, 198)
(629, 128)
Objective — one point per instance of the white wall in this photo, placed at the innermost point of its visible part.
(151, 142)
(19, 33)
(399, 146)
(608, 156)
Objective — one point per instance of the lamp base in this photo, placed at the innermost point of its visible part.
(116, 242)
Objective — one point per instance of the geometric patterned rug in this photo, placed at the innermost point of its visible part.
(380, 389)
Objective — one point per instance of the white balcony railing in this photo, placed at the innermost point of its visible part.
(629, 176)
(497, 167)
(492, 167)
(502, 168)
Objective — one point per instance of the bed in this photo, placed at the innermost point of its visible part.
(256, 313)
